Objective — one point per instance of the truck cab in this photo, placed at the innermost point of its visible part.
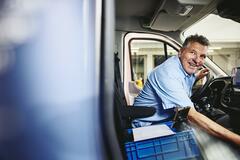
(57, 71)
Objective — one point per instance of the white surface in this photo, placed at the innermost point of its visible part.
(153, 131)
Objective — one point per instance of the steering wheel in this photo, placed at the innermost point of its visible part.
(197, 95)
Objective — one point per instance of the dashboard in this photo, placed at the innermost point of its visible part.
(219, 94)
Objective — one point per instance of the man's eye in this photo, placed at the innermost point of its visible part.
(203, 56)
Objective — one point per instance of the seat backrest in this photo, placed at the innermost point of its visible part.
(120, 103)
(124, 114)
(120, 116)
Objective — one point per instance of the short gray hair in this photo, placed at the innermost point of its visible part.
(196, 38)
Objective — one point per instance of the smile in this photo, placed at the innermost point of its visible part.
(192, 64)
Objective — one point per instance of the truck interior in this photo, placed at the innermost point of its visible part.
(70, 70)
(165, 21)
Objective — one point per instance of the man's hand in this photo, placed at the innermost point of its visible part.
(202, 73)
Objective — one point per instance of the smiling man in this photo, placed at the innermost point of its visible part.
(193, 53)
(169, 85)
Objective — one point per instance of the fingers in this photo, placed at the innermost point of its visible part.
(202, 73)
(205, 71)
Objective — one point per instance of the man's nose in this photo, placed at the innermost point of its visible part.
(198, 59)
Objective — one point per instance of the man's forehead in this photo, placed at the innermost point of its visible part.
(197, 47)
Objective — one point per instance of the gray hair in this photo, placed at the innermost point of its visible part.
(196, 38)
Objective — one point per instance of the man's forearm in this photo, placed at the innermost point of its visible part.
(212, 127)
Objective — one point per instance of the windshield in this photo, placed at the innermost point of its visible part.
(224, 36)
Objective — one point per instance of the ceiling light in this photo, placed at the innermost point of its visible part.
(183, 10)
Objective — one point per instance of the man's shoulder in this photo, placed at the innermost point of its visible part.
(168, 68)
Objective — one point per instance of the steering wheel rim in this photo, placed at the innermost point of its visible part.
(199, 92)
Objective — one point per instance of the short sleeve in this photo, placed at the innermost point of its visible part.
(170, 88)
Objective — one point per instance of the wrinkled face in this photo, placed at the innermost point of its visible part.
(193, 56)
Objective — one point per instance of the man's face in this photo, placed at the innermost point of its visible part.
(193, 56)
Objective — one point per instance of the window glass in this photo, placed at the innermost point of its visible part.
(158, 59)
(171, 51)
(146, 55)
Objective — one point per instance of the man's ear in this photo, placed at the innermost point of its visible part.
(180, 52)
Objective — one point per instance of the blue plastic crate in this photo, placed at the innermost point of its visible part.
(182, 145)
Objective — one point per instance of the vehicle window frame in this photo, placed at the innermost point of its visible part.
(165, 50)
(126, 68)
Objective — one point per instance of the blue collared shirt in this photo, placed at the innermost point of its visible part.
(167, 87)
